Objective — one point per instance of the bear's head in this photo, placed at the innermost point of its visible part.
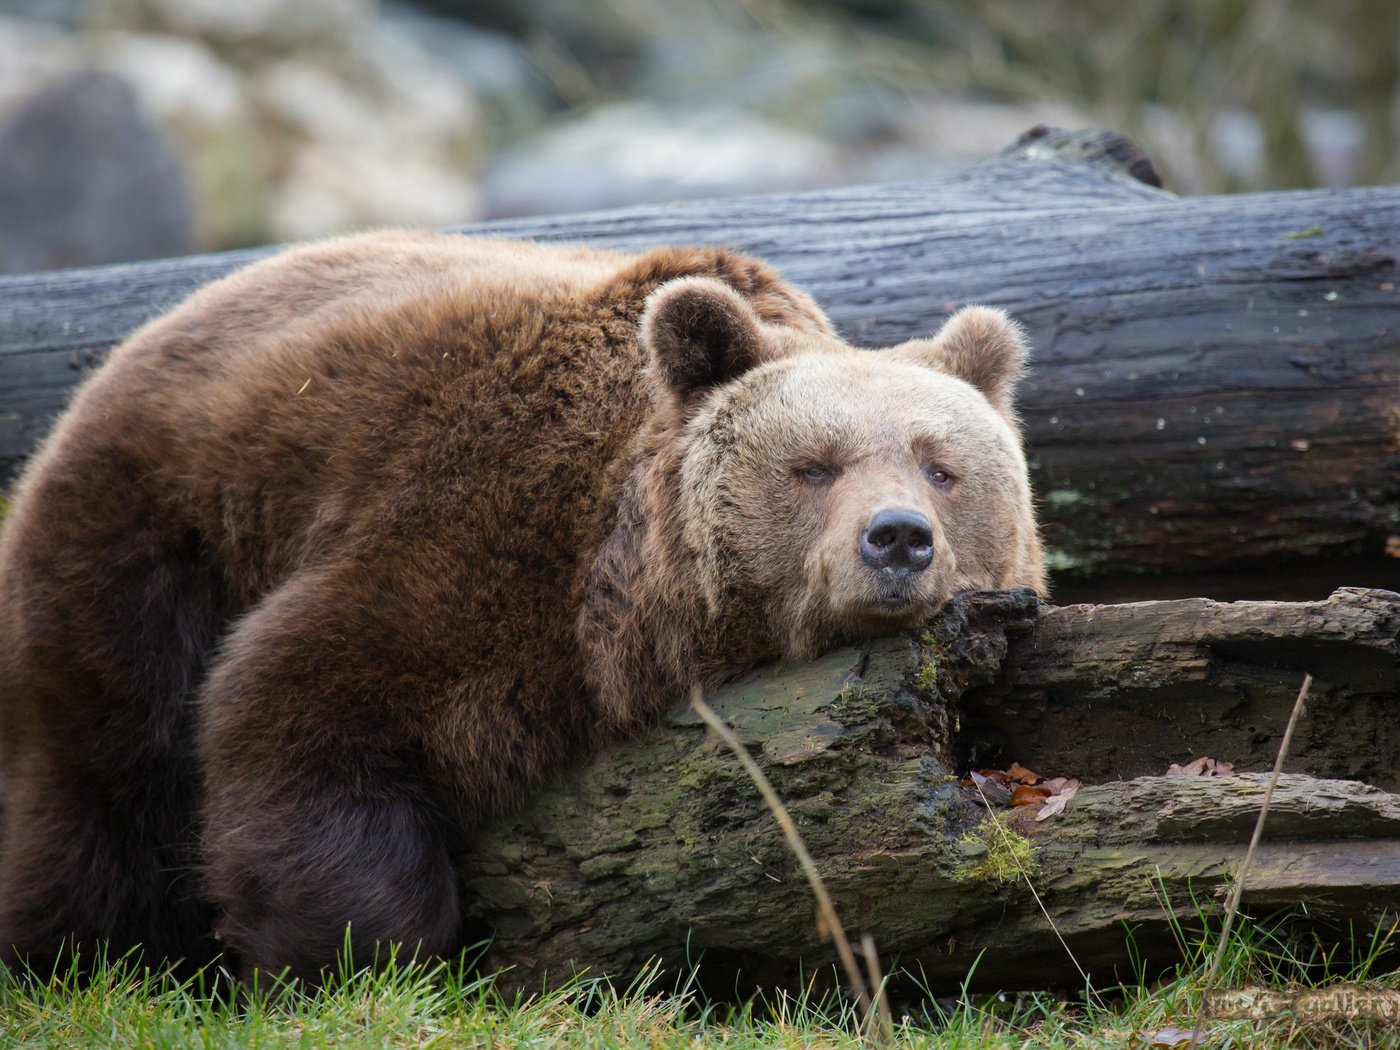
(837, 492)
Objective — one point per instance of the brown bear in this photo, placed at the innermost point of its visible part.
(341, 557)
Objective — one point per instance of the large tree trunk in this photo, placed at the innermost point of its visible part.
(1216, 383)
(661, 848)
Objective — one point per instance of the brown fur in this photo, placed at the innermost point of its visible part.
(341, 557)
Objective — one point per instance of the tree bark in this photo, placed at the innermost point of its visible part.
(661, 848)
(1215, 380)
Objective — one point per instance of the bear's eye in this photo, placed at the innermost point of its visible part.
(817, 475)
(940, 478)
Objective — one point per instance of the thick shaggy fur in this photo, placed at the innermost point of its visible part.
(342, 556)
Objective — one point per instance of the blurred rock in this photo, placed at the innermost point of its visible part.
(634, 153)
(495, 65)
(278, 22)
(331, 188)
(177, 78)
(312, 102)
(291, 120)
(33, 54)
(201, 102)
(425, 101)
(604, 39)
(391, 144)
(65, 13)
(85, 178)
(808, 79)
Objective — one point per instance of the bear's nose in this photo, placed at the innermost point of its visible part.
(898, 541)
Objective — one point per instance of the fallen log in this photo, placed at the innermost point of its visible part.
(661, 848)
(1216, 381)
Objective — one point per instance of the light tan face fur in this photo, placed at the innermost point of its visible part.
(788, 463)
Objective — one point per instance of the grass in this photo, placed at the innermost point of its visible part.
(415, 1006)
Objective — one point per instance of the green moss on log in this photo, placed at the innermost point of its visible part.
(996, 853)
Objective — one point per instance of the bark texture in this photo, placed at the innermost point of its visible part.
(1216, 381)
(662, 848)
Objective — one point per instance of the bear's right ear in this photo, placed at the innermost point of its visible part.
(699, 333)
(980, 345)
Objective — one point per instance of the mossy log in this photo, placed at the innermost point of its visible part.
(1216, 380)
(662, 849)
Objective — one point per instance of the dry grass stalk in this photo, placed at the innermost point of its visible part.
(1233, 905)
(1026, 877)
(884, 1033)
(826, 911)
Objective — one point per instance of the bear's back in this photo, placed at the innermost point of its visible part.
(321, 396)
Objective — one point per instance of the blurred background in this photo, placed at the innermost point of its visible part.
(142, 128)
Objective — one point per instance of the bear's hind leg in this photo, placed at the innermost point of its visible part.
(299, 880)
(318, 814)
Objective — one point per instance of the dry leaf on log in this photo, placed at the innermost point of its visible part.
(1056, 803)
(1201, 767)
(1019, 786)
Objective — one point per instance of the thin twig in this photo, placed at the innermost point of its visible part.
(825, 909)
(1233, 904)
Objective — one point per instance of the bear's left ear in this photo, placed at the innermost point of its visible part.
(981, 345)
(699, 333)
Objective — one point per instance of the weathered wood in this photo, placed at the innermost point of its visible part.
(1114, 685)
(1215, 379)
(661, 848)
